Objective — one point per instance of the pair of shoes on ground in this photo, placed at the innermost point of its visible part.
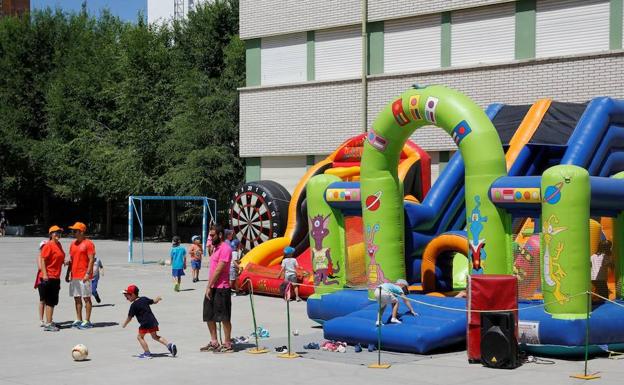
(261, 332)
(334, 346)
(240, 340)
(312, 346)
(281, 349)
(82, 324)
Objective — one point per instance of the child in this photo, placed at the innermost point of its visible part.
(289, 269)
(178, 262)
(140, 308)
(211, 234)
(600, 263)
(389, 292)
(236, 256)
(98, 268)
(195, 251)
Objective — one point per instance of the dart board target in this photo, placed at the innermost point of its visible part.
(258, 212)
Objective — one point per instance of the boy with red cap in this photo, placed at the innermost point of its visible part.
(82, 254)
(140, 308)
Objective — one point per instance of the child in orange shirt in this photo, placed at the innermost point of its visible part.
(195, 251)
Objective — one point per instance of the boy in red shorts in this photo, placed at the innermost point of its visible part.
(140, 308)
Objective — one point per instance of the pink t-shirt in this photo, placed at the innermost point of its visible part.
(222, 253)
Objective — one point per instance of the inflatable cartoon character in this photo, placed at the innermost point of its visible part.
(477, 245)
(321, 256)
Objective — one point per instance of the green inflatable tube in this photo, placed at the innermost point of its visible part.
(564, 251)
(327, 237)
(382, 191)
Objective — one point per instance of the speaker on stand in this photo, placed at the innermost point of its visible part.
(499, 345)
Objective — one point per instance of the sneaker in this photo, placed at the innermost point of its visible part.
(42, 325)
(281, 349)
(50, 328)
(378, 323)
(395, 321)
(97, 298)
(225, 349)
(298, 299)
(371, 347)
(311, 346)
(176, 287)
(145, 356)
(357, 348)
(209, 348)
(76, 323)
(173, 349)
(85, 325)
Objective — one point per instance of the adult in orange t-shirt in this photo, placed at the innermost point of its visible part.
(51, 259)
(82, 253)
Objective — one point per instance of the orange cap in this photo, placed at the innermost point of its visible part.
(79, 226)
(54, 229)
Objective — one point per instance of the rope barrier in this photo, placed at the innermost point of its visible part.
(456, 309)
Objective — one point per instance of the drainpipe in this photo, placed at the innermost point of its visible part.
(364, 66)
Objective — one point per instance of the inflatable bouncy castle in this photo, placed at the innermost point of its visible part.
(556, 173)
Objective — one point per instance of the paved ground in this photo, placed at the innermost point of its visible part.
(30, 356)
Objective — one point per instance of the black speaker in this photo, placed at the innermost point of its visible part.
(499, 347)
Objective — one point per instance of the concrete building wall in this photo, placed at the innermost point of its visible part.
(273, 17)
(320, 115)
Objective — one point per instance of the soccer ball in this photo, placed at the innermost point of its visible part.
(80, 352)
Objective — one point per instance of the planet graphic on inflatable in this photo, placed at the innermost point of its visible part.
(552, 194)
(373, 201)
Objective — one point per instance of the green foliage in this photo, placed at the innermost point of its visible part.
(93, 110)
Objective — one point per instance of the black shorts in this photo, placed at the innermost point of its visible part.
(49, 291)
(219, 307)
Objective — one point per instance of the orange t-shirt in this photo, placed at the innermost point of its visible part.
(195, 251)
(53, 256)
(79, 253)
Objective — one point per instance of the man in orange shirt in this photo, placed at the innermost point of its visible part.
(82, 253)
(51, 261)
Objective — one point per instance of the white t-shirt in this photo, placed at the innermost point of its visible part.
(97, 265)
(599, 267)
(290, 266)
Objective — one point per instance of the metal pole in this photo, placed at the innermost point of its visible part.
(364, 66)
(130, 232)
(288, 316)
(379, 322)
(205, 225)
(587, 330)
(141, 222)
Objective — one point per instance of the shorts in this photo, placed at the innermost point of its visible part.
(196, 264)
(148, 330)
(77, 288)
(177, 273)
(291, 278)
(386, 298)
(49, 291)
(233, 273)
(219, 307)
(41, 292)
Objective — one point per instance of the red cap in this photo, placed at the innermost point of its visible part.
(132, 289)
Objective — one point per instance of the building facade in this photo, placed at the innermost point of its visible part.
(14, 7)
(164, 11)
(303, 94)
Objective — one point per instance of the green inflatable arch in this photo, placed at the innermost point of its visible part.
(484, 160)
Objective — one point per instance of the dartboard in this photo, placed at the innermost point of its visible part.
(256, 213)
